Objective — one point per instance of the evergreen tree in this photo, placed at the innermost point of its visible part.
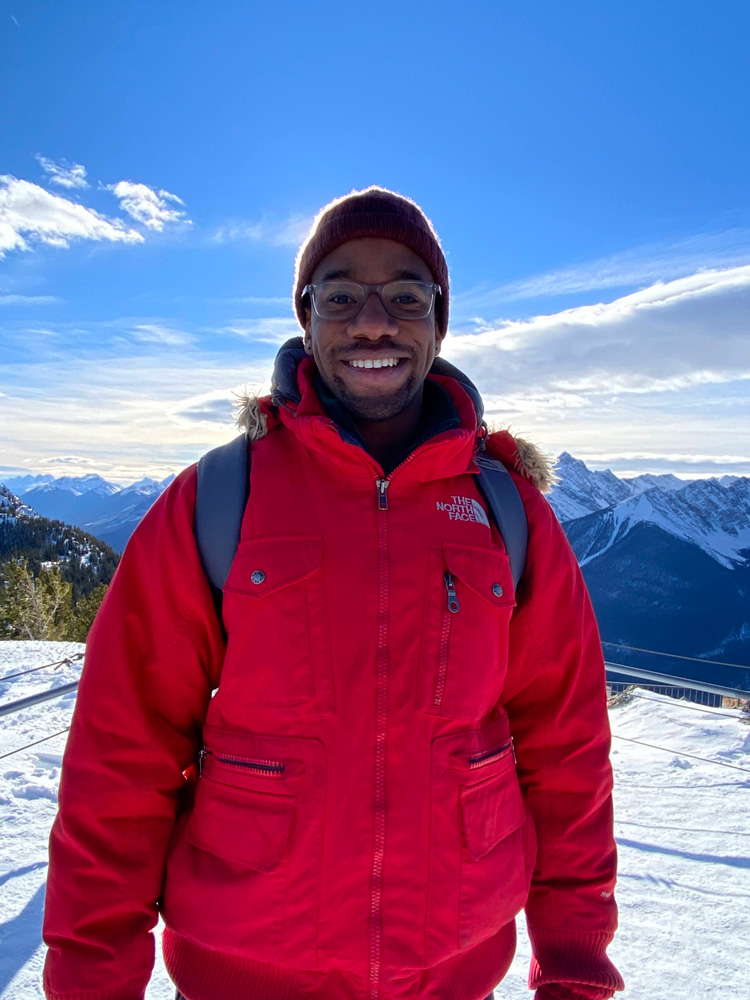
(34, 608)
(84, 613)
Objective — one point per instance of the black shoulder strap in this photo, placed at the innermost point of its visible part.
(223, 490)
(501, 493)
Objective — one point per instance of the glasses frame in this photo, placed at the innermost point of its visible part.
(310, 289)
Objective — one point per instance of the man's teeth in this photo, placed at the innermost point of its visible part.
(379, 363)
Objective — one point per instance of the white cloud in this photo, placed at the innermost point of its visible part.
(28, 300)
(147, 206)
(270, 330)
(665, 338)
(213, 407)
(30, 214)
(157, 333)
(630, 268)
(290, 232)
(64, 174)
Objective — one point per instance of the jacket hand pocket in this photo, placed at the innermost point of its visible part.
(482, 841)
(494, 876)
(246, 828)
(245, 875)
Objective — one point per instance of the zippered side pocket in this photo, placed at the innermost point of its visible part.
(256, 765)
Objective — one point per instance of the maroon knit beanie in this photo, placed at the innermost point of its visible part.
(375, 211)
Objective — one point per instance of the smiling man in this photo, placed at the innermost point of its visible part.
(347, 787)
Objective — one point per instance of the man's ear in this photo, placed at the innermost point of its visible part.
(307, 335)
(439, 338)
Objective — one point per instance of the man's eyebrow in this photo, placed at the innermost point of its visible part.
(335, 275)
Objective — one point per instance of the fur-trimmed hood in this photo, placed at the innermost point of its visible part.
(527, 458)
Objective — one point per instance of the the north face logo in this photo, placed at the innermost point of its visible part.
(464, 509)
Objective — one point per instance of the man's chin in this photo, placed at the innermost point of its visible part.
(376, 407)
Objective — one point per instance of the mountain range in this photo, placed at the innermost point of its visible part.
(666, 560)
(667, 564)
(106, 510)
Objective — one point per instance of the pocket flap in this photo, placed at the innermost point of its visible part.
(491, 811)
(264, 565)
(249, 828)
(484, 571)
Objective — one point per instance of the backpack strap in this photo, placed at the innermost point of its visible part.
(221, 498)
(501, 493)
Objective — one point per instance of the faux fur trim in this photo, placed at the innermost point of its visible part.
(535, 465)
(249, 416)
(530, 460)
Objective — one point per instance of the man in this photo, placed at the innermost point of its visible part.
(402, 751)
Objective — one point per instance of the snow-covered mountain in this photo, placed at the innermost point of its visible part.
(12, 506)
(581, 490)
(101, 508)
(713, 517)
(640, 484)
(91, 483)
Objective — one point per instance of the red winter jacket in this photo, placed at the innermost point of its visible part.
(382, 783)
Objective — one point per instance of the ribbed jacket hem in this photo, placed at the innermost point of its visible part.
(204, 974)
(568, 957)
(134, 990)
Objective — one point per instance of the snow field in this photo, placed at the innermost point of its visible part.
(681, 825)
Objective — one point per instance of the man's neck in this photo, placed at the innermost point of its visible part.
(387, 439)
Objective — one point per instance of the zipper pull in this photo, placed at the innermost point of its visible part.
(453, 604)
(382, 485)
(201, 757)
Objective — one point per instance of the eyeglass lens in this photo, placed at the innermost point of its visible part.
(402, 299)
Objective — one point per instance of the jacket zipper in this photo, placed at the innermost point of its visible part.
(489, 756)
(261, 766)
(380, 741)
(376, 917)
(449, 608)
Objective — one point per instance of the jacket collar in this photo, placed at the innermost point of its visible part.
(453, 431)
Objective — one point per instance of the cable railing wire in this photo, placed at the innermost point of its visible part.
(681, 753)
(68, 661)
(35, 743)
(678, 656)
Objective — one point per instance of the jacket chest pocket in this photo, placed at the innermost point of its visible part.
(468, 604)
(275, 613)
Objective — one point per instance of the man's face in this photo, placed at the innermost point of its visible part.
(372, 393)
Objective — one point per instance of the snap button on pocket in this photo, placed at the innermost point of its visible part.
(497, 590)
(257, 576)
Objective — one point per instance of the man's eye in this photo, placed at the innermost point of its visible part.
(406, 299)
(340, 299)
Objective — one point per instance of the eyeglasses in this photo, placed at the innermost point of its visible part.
(344, 299)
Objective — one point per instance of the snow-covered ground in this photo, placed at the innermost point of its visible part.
(681, 823)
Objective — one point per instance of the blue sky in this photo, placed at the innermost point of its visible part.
(585, 165)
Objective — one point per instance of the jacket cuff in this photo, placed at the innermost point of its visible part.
(573, 959)
(556, 991)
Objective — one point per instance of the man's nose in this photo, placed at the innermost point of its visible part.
(372, 320)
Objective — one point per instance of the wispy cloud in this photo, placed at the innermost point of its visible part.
(636, 267)
(64, 174)
(149, 207)
(270, 330)
(28, 300)
(289, 232)
(157, 333)
(29, 214)
(213, 407)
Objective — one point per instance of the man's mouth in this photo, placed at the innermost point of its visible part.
(375, 362)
